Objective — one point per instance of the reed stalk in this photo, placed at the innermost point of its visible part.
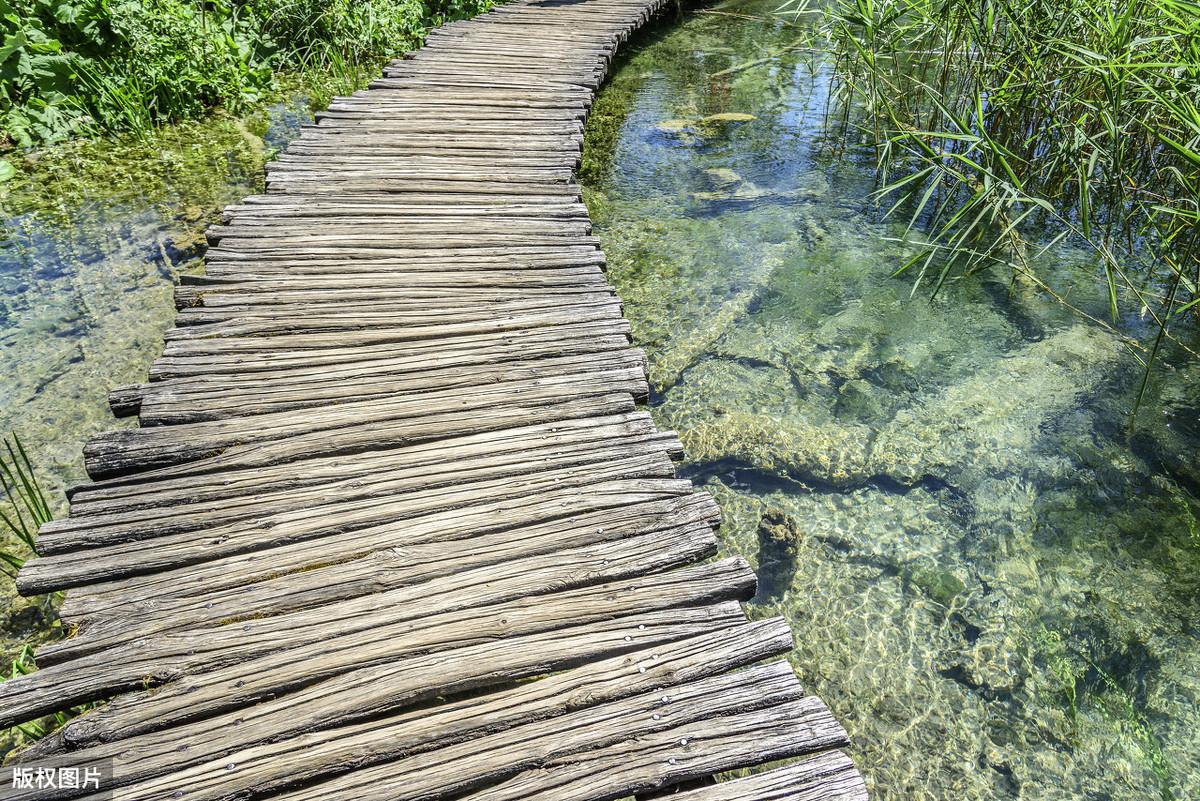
(1004, 127)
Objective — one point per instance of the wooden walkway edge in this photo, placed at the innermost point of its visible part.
(392, 526)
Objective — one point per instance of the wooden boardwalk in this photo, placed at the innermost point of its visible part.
(392, 527)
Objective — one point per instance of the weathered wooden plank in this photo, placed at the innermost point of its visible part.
(359, 288)
(665, 757)
(332, 317)
(177, 487)
(438, 571)
(208, 670)
(471, 257)
(410, 338)
(357, 437)
(576, 749)
(436, 414)
(348, 684)
(710, 695)
(390, 687)
(300, 574)
(368, 229)
(828, 776)
(388, 479)
(168, 403)
(682, 530)
(198, 360)
(127, 512)
(109, 562)
(274, 766)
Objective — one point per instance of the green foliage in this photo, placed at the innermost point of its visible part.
(27, 733)
(995, 119)
(69, 68)
(26, 509)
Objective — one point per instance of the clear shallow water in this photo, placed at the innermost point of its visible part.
(993, 581)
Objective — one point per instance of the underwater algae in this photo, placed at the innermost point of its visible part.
(993, 579)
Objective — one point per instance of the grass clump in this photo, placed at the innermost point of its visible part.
(1003, 127)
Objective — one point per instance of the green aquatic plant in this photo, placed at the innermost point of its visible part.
(1067, 673)
(28, 733)
(27, 507)
(1135, 732)
(1003, 128)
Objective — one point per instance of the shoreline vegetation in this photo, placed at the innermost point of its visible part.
(104, 67)
(1075, 119)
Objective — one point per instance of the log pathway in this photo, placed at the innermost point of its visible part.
(392, 526)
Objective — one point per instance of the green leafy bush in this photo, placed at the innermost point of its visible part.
(85, 66)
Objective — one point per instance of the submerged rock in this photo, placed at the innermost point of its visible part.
(722, 177)
(779, 539)
(745, 192)
(959, 437)
(814, 454)
(938, 584)
(673, 127)
(971, 429)
(729, 116)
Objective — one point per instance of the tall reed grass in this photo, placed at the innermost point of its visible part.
(27, 508)
(1002, 127)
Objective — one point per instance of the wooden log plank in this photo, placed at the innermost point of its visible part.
(172, 488)
(606, 320)
(439, 571)
(129, 512)
(426, 589)
(250, 211)
(395, 269)
(269, 318)
(110, 562)
(708, 695)
(207, 671)
(553, 253)
(392, 687)
(295, 568)
(358, 287)
(662, 758)
(390, 480)
(432, 354)
(578, 746)
(828, 776)
(368, 228)
(342, 679)
(356, 437)
(431, 416)
(304, 573)
(167, 403)
(274, 766)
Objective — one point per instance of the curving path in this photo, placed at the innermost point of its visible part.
(392, 526)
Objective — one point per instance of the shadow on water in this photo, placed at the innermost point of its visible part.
(994, 582)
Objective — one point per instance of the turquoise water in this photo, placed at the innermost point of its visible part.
(992, 578)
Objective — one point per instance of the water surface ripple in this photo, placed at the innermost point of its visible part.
(992, 581)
